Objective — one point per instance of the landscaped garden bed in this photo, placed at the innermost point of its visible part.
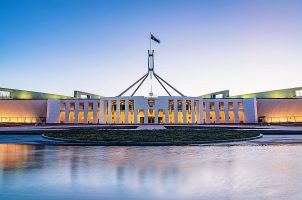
(174, 135)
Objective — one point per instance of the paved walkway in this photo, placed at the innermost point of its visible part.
(151, 127)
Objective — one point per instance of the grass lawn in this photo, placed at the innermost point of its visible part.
(166, 135)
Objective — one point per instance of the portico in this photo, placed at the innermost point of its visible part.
(175, 110)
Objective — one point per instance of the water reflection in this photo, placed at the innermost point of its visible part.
(212, 172)
(14, 156)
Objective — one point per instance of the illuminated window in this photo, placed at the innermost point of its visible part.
(171, 105)
(151, 103)
(81, 106)
(122, 105)
(72, 106)
(240, 105)
(212, 105)
(62, 117)
(63, 106)
(241, 116)
(90, 106)
(188, 105)
(298, 93)
(231, 105)
(90, 117)
(179, 105)
(221, 105)
(131, 105)
(81, 117)
(71, 117)
(113, 105)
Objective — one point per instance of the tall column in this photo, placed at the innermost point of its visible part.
(135, 116)
(126, 110)
(193, 111)
(236, 116)
(184, 111)
(175, 111)
(95, 112)
(76, 112)
(118, 111)
(146, 115)
(86, 112)
(200, 111)
(217, 116)
(109, 112)
(135, 113)
(226, 112)
(208, 119)
(166, 115)
(67, 111)
(102, 110)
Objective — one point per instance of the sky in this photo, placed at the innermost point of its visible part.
(100, 47)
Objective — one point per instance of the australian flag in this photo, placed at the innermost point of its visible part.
(154, 38)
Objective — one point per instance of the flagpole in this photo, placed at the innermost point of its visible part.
(150, 61)
(150, 42)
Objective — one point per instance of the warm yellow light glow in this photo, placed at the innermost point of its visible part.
(90, 117)
(81, 117)
(71, 117)
(62, 117)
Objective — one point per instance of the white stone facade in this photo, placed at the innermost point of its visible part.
(158, 110)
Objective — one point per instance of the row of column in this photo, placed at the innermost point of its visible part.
(108, 111)
(217, 111)
(85, 112)
(199, 109)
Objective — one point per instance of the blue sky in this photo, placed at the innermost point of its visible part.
(101, 46)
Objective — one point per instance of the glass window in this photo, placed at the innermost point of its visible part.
(131, 105)
(171, 105)
(188, 105)
(81, 106)
(221, 105)
(179, 105)
(72, 106)
(63, 106)
(151, 103)
(240, 105)
(231, 105)
(62, 117)
(122, 105)
(90, 106)
(113, 105)
(212, 105)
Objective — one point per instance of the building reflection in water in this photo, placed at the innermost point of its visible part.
(159, 172)
(16, 156)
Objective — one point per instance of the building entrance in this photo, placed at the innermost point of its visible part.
(151, 120)
(141, 120)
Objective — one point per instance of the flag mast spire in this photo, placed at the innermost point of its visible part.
(150, 72)
(150, 41)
